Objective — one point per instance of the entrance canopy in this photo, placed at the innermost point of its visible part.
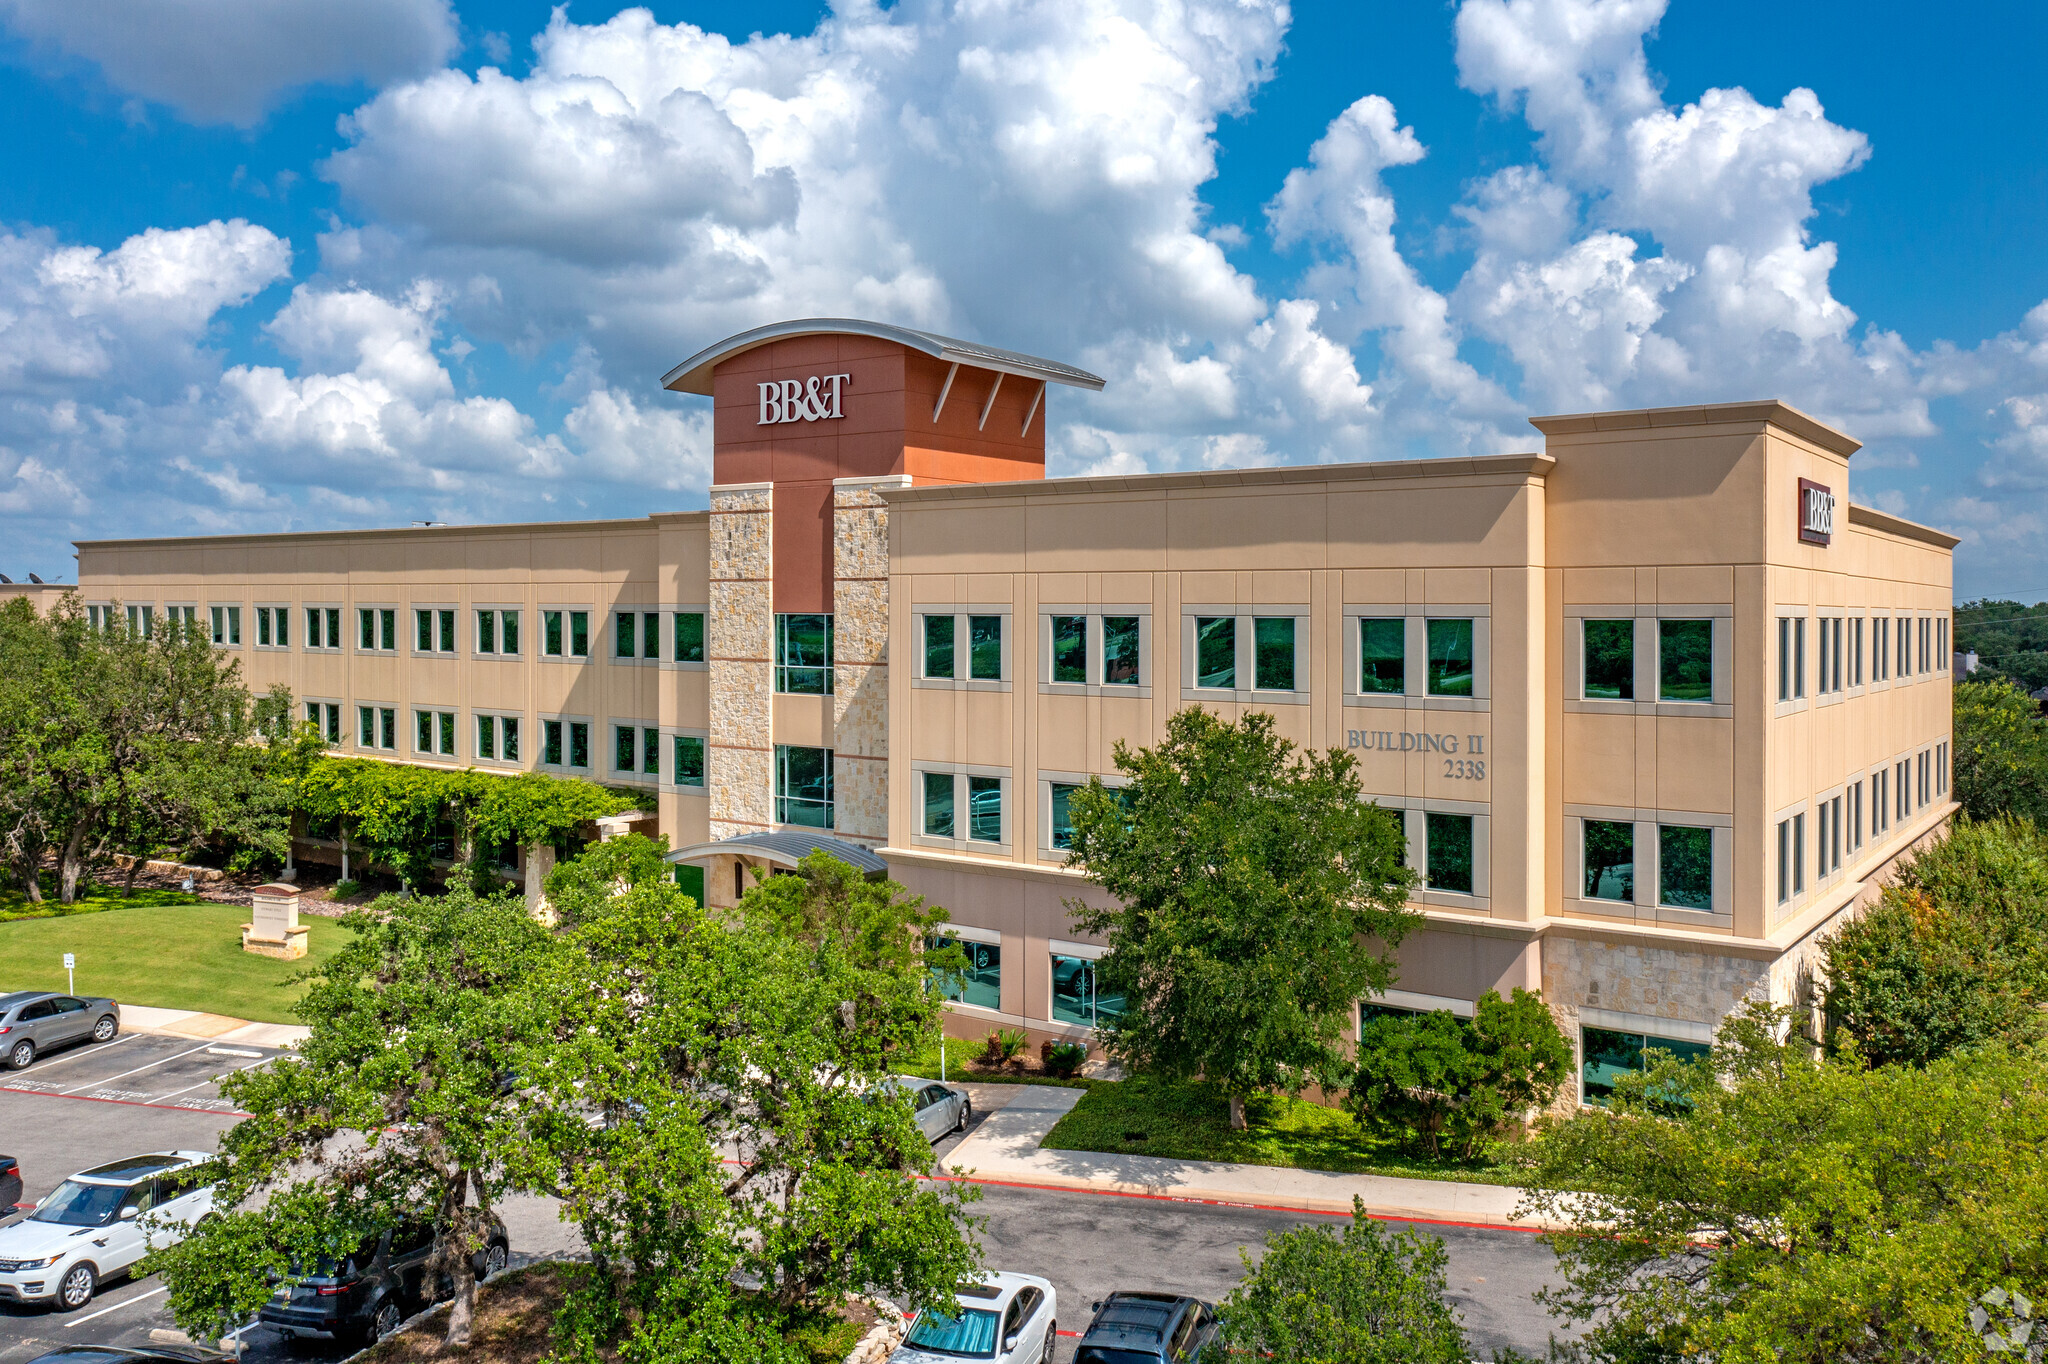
(785, 849)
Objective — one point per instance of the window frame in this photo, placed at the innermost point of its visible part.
(964, 616)
(440, 727)
(783, 672)
(498, 719)
(782, 802)
(671, 641)
(962, 777)
(671, 781)
(1415, 691)
(567, 722)
(1245, 618)
(224, 624)
(276, 611)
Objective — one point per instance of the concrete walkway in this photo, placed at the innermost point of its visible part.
(1004, 1149)
(210, 1027)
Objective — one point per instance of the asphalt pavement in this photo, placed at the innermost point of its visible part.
(82, 1107)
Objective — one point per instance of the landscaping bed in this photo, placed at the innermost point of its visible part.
(966, 1062)
(1191, 1121)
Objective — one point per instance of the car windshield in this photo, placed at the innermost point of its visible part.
(972, 1333)
(1096, 1354)
(82, 1205)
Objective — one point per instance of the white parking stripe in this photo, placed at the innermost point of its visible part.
(95, 1084)
(80, 1321)
(93, 1050)
(203, 1083)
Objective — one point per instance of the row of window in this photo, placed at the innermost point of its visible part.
(1684, 871)
(1684, 660)
(496, 631)
(1895, 793)
(1899, 647)
(1075, 994)
(636, 749)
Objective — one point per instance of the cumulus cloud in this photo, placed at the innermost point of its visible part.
(229, 61)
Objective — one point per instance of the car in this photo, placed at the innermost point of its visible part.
(375, 1287)
(1007, 1318)
(1147, 1328)
(940, 1109)
(98, 1223)
(115, 1354)
(10, 1185)
(35, 1021)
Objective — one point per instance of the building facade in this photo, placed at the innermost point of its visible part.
(1657, 705)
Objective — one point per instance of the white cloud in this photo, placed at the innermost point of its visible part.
(229, 61)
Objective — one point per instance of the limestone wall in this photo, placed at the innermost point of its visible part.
(739, 648)
(860, 657)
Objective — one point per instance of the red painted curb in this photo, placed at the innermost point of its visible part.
(132, 1103)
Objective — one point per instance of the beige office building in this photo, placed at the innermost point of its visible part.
(1657, 704)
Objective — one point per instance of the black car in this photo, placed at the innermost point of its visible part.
(115, 1354)
(373, 1289)
(1147, 1328)
(10, 1185)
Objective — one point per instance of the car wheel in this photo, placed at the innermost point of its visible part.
(966, 1114)
(495, 1259)
(386, 1321)
(21, 1054)
(1052, 1339)
(75, 1289)
(104, 1030)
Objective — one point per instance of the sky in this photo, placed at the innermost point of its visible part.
(267, 265)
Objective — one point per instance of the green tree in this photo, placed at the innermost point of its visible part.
(1257, 898)
(1765, 1203)
(2001, 752)
(1423, 1077)
(1362, 1296)
(399, 1103)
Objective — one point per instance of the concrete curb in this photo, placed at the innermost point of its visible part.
(208, 1027)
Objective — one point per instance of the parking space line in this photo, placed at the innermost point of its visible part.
(80, 1321)
(93, 1050)
(216, 1079)
(96, 1084)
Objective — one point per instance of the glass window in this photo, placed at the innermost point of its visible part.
(1450, 657)
(1610, 1054)
(689, 760)
(938, 646)
(1075, 994)
(650, 752)
(486, 736)
(423, 725)
(551, 742)
(579, 634)
(1273, 653)
(1382, 656)
(1610, 860)
(985, 648)
(333, 614)
(387, 724)
(1216, 652)
(982, 983)
(689, 636)
(1070, 648)
(803, 654)
(387, 629)
(313, 618)
(650, 635)
(985, 809)
(423, 632)
(626, 747)
(626, 634)
(508, 739)
(1685, 659)
(1685, 867)
(263, 626)
(487, 632)
(1610, 660)
(579, 743)
(938, 804)
(447, 731)
(803, 786)
(1062, 832)
(1120, 651)
(366, 726)
(1448, 851)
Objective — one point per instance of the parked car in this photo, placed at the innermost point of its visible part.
(1147, 1328)
(35, 1021)
(375, 1287)
(1008, 1318)
(939, 1108)
(115, 1354)
(99, 1222)
(10, 1185)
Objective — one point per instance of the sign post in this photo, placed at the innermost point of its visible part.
(69, 962)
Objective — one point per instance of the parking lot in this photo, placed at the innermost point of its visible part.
(138, 1093)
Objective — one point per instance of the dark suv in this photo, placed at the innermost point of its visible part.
(376, 1287)
(1147, 1328)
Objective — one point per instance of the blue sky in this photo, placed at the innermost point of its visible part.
(267, 265)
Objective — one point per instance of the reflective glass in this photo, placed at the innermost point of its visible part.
(1610, 860)
(1449, 840)
(1062, 817)
(1450, 657)
(1070, 648)
(803, 654)
(689, 760)
(938, 646)
(1216, 652)
(1610, 660)
(1120, 651)
(1611, 1054)
(689, 636)
(938, 804)
(803, 786)
(1685, 866)
(1273, 653)
(1685, 660)
(985, 809)
(1382, 656)
(1076, 997)
(982, 983)
(985, 648)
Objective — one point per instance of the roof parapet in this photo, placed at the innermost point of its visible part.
(694, 374)
(1769, 411)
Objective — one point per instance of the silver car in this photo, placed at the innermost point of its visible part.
(940, 1109)
(35, 1021)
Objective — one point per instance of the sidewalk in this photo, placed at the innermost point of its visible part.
(210, 1027)
(1005, 1149)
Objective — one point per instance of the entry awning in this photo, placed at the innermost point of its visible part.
(786, 848)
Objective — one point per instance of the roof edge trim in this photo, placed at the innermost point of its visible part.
(1772, 411)
(694, 374)
(1874, 519)
(1523, 466)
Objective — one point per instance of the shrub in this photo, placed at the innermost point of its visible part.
(1003, 1046)
(1422, 1079)
(347, 890)
(1061, 1058)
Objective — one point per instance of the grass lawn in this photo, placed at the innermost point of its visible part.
(183, 956)
(1191, 1121)
(96, 897)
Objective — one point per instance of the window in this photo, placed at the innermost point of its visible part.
(1902, 785)
(938, 804)
(325, 718)
(377, 629)
(985, 809)
(1834, 628)
(1070, 648)
(366, 727)
(1941, 649)
(142, 621)
(183, 616)
(323, 627)
(1685, 659)
(551, 742)
(981, 984)
(1273, 653)
(1061, 833)
(1075, 994)
(1941, 769)
(565, 743)
(1610, 860)
(1925, 762)
(1382, 656)
(1685, 867)
(1784, 860)
(1820, 655)
(434, 732)
(99, 618)
(636, 634)
(1450, 657)
(1120, 651)
(689, 636)
(985, 648)
(497, 737)
(497, 632)
(938, 647)
(273, 627)
(1448, 851)
(433, 630)
(803, 786)
(227, 625)
(1905, 629)
(689, 756)
(565, 634)
(1609, 1054)
(1880, 807)
(626, 740)
(1610, 660)
(486, 736)
(1855, 813)
(1831, 839)
(1926, 630)
(1856, 651)
(803, 656)
(1216, 652)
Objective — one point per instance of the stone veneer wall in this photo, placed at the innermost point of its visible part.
(860, 657)
(740, 650)
(1687, 984)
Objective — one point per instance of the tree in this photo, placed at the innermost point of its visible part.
(400, 1102)
(1766, 1203)
(1257, 899)
(2001, 752)
(1365, 1296)
(1422, 1077)
(1954, 953)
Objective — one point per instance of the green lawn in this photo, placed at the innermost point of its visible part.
(1191, 1121)
(186, 956)
(95, 897)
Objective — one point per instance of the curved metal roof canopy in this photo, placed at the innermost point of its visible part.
(694, 374)
(785, 849)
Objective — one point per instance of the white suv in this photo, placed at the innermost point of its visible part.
(98, 1223)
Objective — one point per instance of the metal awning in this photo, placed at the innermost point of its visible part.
(694, 374)
(786, 848)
